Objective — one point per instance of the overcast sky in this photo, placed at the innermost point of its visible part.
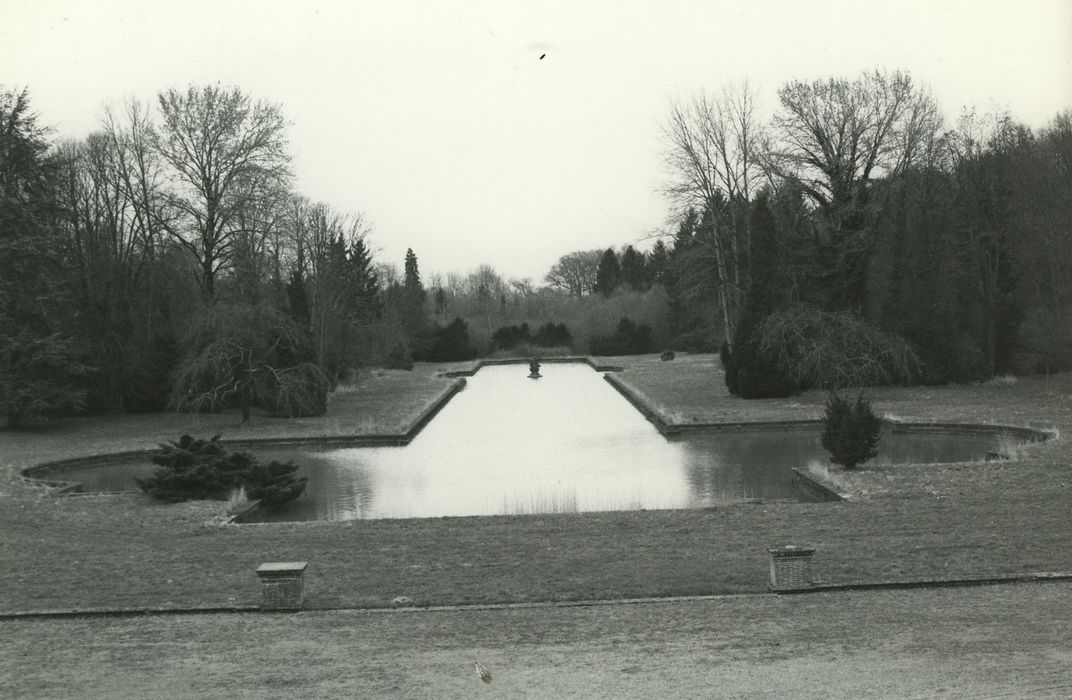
(441, 123)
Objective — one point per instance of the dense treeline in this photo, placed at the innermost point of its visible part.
(854, 239)
(166, 261)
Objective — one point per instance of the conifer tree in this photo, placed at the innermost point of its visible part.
(38, 360)
(633, 268)
(413, 318)
(609, 273)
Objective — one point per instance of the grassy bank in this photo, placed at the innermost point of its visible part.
(907, 522)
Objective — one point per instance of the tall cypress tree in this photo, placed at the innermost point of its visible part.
(608, 274)
(751, 373)
(633, 268)
(413, 317)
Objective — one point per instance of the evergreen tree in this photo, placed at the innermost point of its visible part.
(412, 275)
(655, 266)
(751, 372)
(363, 285)
(195, 469)
(851, 431)
(414, 320)
(450, 343)
(38, 360)
(609, 273)
(633, 269)
(692, 285)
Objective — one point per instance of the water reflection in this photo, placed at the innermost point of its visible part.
(566, 442)
(508, 444)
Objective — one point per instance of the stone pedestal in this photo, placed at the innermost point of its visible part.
(790, 567)
(282, 585)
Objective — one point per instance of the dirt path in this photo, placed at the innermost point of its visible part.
(1009, 641)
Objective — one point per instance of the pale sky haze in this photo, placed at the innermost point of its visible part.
(439, 121)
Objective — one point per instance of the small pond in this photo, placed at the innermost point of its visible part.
(567, 442)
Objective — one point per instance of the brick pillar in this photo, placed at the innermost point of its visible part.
(281, 585)
(790, 567)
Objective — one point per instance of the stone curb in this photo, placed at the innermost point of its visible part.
(38, 473)
(670, 429)
(819, 487)
(563, 359)
(1052, 577)
(1042, 577)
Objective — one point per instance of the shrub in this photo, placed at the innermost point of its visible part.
(195, 469)
(629, 339)
(850, 430)
(526, 350)
(548, 335)
(450, 343)
(551, 335)
(507, 337)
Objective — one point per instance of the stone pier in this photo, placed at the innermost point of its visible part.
(790, 567)
(282, 585)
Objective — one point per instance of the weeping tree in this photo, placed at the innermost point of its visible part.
(813, 348)
(249, 354)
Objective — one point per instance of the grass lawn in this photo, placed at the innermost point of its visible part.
(905, 522)
(997, 641)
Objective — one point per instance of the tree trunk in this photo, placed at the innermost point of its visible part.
(246, 400)
(210, 279)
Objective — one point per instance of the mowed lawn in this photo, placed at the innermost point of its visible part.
(982, 642)
(904, 523)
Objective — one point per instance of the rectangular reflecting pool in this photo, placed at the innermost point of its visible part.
(567, 442)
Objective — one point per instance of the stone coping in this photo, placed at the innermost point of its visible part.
(560, 359)
(38, 473)
(791, 550)
(819, 587)
(669, 429)
(282, 568)
(817, 487)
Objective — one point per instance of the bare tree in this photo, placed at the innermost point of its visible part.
(225, 153)
(575, 273)
(835, 138)
(112, 197)
(324, 243)
(711, 153)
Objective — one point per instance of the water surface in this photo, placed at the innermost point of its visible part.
(567, 442)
